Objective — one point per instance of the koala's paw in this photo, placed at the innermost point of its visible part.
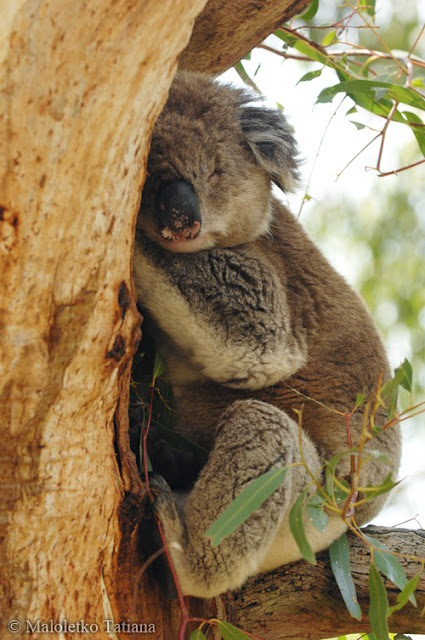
(164, 505)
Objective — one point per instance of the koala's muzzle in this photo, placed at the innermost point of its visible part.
(177, 208)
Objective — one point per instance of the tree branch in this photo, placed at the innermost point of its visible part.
(225, 31)
(300, 600)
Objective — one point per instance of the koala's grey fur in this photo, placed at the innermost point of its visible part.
(252, 321)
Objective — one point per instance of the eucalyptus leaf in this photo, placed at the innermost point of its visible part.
(386, 486)
(407, 593)
(229, 632)
(296, 523)
(197, 635)
(378, 604)
(389, 565)
(248, 500)
(311, 10)
(310, 76)
(329, 38)
(340, 563)
(418, 131)
(316, 513)
(368, 87)
(158, 367)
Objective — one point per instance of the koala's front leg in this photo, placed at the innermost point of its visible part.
(253, 438)
(224, 312)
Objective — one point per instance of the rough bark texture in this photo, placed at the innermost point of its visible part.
(226, 31)
(82, 84)
(301, 601)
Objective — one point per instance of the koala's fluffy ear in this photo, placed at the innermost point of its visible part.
(270, 138)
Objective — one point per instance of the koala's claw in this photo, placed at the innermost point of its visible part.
(164, 504)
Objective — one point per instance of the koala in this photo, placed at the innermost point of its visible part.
(254, 326)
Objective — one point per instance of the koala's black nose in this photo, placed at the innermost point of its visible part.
(177, 209)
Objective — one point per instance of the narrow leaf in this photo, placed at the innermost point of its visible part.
(340, 563)
(310, 76)
(296, 523)
(378, 455)
(405, 373)
(197, 635)
(389, 565)
(311, 10)
(378, 608)
(245, 504)
(229, 632)
(407, 593)
(316, 513)
(403, 94)
(360, 396)
(330, 470)
(386, 486)
(329, 38)
(158, 367)
(418, 131)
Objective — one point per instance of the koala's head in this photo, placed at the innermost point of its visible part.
(213, 158)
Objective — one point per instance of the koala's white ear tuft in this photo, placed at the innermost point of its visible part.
(270, 138)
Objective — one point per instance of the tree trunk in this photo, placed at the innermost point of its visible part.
(82, 84)
(226, 31)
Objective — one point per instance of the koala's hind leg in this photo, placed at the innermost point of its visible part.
(252, 437)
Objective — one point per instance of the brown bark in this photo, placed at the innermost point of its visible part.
(226, 31)
(303, 601)
(82, 84)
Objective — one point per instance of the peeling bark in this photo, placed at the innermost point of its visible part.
(226, 31)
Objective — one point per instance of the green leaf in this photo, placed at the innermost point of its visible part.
(405, 373)
(229, 632)
(358, 126)
(340, 563)
(245, 504)
(378, 607)
(312, 51)
(360, 396)
(378, 455)
(296, 523)
(369, 6)
(331, 469)
(368, 87)
(407, 593)
(329, 38)
(386, 486)
(316, 513)
(311, 10)
(158, 367)
(403, 378)
(419, 132)
(389, 565)
(197, 635)
(310, 76)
